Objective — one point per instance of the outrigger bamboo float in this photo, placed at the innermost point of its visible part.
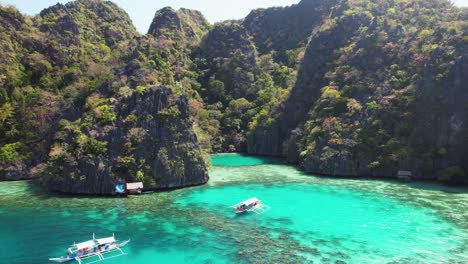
(250, 205)
(97, 248)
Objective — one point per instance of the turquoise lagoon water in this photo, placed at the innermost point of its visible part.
(236, 160)
(311, 220)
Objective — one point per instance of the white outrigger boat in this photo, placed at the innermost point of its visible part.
(250, 205)
(93, 248)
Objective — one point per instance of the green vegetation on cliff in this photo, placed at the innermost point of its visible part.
(381, 88)
(51, 63)
(342, 87)
(339, 87)
(77, 83)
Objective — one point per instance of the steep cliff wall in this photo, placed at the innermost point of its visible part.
(348, 88)
(85, 101)
(140, 136)
(51, 63)
(185, 26)
(377, 93)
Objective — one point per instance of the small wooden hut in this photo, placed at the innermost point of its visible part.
(404, 175)
(134, 187)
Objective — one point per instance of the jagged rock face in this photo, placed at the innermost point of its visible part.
(345, 88)
(44, 65)
(80, 23)
(227, 37)
(10, 18)
(228, 46)
(105, 18)
(150, 140)
(275, 139)
(69, 65)
(252, 58)
(442, 118)
(184, 25)
(287, 28)
(348, 114)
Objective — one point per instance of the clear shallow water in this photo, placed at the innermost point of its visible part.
(312, 219)
(237, 160)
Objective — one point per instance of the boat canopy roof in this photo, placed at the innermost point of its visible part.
(105, 240)
(134, 185)
(249, 201)
(86, 244)
(94, 242)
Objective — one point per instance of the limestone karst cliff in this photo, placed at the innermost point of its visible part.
(345, 88)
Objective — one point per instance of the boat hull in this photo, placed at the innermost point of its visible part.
(61, 259)
(109, 249)
(123, 243)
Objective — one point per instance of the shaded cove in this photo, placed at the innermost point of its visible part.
(311, 219)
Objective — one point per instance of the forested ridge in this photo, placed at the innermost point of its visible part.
(348, 88)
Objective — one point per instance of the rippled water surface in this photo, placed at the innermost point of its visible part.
(311, 220)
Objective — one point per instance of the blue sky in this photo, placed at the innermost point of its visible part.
(142, 11)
